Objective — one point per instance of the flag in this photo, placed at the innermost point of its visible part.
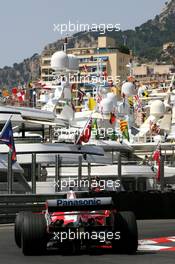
(110, 82)
(126, 133)
(99, 98)
(130, 102)
(130, 79)
(145, 94)
(156, 157)
(91, 104)
(20, 95)
(86, 133)
(94, 125)
(112, 118)
(81, 95)
(14, 90)
(85, 68)
(136, 97)
(6, 137)
(113, 136)
(73, 87)
(95, 128)
(30, 84)
(124, 129)
(105, 75)
(138, 102)
(154, 128)
(5, 93)
(123, 125)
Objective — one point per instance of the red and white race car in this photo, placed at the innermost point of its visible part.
(73, 224)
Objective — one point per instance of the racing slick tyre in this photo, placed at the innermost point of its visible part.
(34, 234)
(125, 223)
(18, 227)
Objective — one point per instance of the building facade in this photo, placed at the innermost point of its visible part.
(112, 61)
(149, 72)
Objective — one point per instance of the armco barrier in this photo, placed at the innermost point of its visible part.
(145, 205)
(11, 204)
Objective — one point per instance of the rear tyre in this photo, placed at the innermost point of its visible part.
(18, 227)
(125, 223)
(34, 234)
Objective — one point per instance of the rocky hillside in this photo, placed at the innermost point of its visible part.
(146, 41)
(20, 73)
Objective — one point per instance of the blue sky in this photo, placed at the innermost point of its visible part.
(26, 26)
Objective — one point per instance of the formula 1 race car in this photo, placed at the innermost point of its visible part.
(76, 223)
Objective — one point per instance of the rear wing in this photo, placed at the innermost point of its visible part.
(83, 204)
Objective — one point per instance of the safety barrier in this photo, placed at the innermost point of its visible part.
(145, 205)
(11, 204)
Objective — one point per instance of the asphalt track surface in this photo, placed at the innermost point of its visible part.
(10, 254)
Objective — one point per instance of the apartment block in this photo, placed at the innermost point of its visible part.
(112, 61)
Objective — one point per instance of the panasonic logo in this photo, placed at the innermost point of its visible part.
(78, 202)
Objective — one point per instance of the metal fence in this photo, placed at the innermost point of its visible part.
(11, 204)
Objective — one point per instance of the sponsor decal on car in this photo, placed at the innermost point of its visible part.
(78, 202)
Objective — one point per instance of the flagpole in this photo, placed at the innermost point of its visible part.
(5, 125)
(9, 172)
